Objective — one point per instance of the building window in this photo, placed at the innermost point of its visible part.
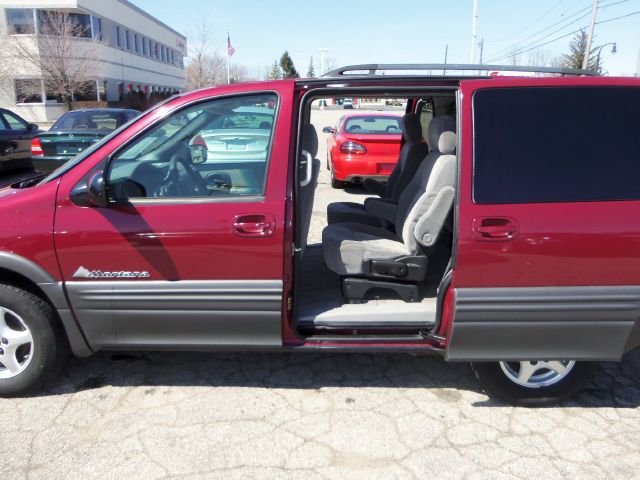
(162, 53)
(136, 43)
(144, 45)
(116, 35)
(53, 22)
(20, 21)
(28, 90)
(87, 92)
(156, 50)
(149, 48)
(96, 24)
(127, 42)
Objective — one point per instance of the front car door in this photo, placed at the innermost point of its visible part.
(22, 135)
(189, 251)
(547, 261)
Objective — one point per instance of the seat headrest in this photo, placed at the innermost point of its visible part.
(309, 139)
(411, 128)
(442, 134)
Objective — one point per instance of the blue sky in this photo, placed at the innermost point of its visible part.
(405, 31)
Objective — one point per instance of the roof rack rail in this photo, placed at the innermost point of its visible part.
(370, 69)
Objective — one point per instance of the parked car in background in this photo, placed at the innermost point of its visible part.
(363, 145)
(15, 140)
(347, 103)
(74, 132)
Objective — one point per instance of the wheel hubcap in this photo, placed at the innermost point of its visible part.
(16, 344)
(537, 374)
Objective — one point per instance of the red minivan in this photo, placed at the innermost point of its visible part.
(514, 246)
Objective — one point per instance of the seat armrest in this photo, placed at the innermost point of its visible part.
(374, 186)
(381, 208)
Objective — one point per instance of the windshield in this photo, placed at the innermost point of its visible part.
(92, 120)
(373, 125)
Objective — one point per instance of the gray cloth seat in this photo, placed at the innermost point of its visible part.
(411, 154)
(419, 218)
(306, 193)
(373, 211)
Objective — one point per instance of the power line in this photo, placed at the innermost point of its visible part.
(529, 25)
(561, 37)
(583, 12)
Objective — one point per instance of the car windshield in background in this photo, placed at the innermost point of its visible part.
(99, 120)
(373, 125)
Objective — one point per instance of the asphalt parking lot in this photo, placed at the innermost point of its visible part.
(325, 416)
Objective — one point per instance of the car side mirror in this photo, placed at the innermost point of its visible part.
(92, 193)
(327, 130)
(33, 127)
(198, 154)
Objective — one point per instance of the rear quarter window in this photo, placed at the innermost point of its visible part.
(556, 144)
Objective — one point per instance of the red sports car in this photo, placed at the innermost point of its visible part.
(362, 145)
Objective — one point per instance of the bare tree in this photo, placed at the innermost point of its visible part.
(205, 66)
(62, 52)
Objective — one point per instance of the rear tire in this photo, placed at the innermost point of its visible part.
(335, 183)
(539, 386)
(30, 351)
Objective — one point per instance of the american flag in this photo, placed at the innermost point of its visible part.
(230, 49)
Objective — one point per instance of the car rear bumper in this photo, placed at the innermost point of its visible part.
(351, 168)
(48, 164)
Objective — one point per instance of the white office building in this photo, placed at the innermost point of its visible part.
(133, 52)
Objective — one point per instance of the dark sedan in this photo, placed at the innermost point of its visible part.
(15, 140)
(74, 132)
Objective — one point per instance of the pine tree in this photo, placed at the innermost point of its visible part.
(311, 71)
(288, 69)
(275, 73)
(577, 50)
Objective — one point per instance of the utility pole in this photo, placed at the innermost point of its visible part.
(323, 52)
(446, 52)
(594, 10)
(474, 31)
(481, 49)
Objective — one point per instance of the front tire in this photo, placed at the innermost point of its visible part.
(533, 384)
(29, 350)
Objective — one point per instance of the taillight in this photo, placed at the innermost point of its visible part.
(36, 147)
(199, 141)
(353, 148)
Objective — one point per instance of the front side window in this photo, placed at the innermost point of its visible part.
(28, 90)
(20, 21)
(556, 144)
(219, 148)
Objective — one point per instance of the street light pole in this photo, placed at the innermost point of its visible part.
(613, 50)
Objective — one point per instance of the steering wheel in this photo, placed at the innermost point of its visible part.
(172, 181)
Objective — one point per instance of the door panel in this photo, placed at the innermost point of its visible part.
(171, 268)
(535, 238)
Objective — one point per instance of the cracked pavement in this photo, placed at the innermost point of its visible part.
(311, 415)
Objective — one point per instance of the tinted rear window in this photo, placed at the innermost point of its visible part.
(88, 120)
(556, 144)
(373, 125)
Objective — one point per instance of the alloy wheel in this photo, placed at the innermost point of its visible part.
(537, 374)
(16, 344)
